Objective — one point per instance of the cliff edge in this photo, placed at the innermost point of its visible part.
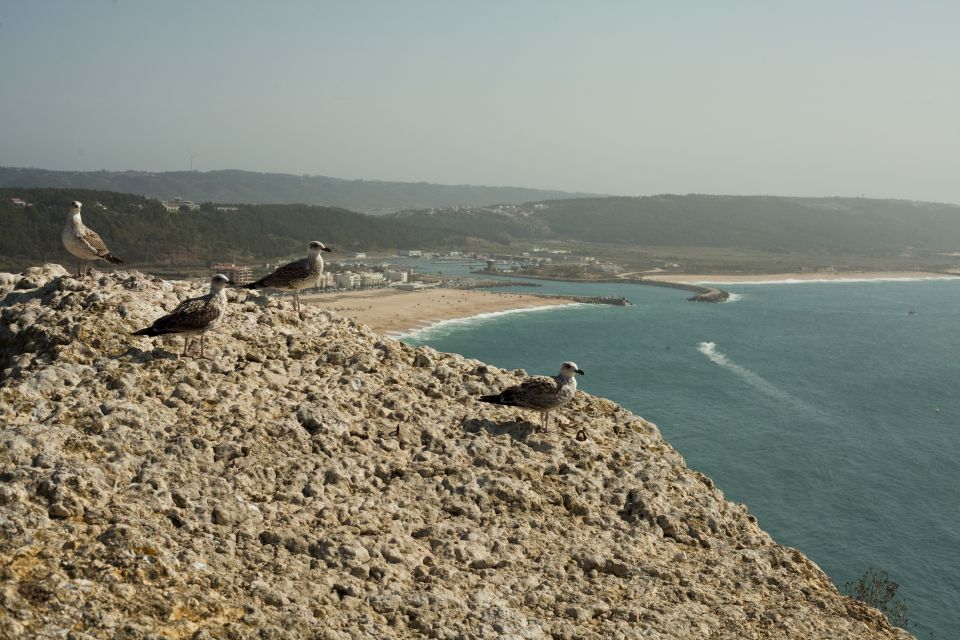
(316, 480)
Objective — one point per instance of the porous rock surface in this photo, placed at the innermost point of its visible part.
(268, 492)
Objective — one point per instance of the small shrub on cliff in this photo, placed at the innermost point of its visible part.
(876, 589)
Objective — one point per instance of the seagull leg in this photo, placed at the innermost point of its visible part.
(296, 300)
(186, 342)
(201, 345)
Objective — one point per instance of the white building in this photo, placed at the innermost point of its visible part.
(326, 281)
(412, 253)
(371, 279)
(348, 280)
(395, 275)
(359, 254)
(415, 286)
(241, 274)
(177, 203)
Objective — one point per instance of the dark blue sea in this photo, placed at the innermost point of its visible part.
(831, 409)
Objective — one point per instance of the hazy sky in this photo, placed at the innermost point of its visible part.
(766, 97)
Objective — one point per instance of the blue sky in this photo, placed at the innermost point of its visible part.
(811, 98)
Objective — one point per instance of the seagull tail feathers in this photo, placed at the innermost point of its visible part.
(496, 399)
(113, 259)
(148, 331)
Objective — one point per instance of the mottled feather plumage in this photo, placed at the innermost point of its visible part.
(190, 316)
(194, 315)
(83, 242)
(296, 275)
(541, 393)
(287, 276)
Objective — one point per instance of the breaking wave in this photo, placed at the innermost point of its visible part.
(709, 349)
(838, 280)
(439, 327)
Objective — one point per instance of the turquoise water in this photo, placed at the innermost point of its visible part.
(827, 408)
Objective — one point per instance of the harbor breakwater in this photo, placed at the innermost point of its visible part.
(702, 294)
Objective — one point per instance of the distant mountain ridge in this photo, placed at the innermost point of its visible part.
(768, 223)
(249, 187)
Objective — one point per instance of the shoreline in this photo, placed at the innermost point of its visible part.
(433, 324)
(799, 278)
(396, 313)
(706, 286)
(701, 293)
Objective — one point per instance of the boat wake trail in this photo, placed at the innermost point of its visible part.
(709, 349)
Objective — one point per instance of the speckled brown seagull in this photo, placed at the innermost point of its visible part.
(296, 275)
(193, 316)
(83, 242)
(541, 393)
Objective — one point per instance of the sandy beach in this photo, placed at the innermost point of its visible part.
(393, 311)
(732, 278)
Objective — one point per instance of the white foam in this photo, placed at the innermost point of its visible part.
(733, 297)
(430, 327)
(709, 349)
(825, 280)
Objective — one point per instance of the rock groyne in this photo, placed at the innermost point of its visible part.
(314, 479)
(702, 294)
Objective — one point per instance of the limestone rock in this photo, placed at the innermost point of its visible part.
(317, 480)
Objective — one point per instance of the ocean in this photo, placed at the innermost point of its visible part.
(830, 409)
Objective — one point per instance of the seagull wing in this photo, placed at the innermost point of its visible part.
(193, 314)
(539, 392)
(290, 272)
(93, 240)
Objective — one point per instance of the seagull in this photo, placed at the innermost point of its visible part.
(194, 315)
(295, 275)
(82, 242)
(541, 393)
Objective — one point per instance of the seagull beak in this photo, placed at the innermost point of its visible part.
(580, 371)
(327, 249)
(231, 282)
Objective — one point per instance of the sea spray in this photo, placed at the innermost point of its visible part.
(709, 349)
(822, 485)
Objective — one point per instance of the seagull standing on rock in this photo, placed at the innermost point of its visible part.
(193, 316)
(541, 393)
(83, 242)
(296, 275)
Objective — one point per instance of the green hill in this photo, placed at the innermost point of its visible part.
(766, 223)
(277, 188)
(141, 230)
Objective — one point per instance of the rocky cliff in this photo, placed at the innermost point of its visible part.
(316, 480)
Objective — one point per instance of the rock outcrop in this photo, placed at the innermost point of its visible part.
(316, 480)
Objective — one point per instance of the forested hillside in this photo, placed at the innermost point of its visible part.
(746, 222)
(141, 230)
(277, 188)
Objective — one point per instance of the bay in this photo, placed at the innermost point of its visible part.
(830, 409)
